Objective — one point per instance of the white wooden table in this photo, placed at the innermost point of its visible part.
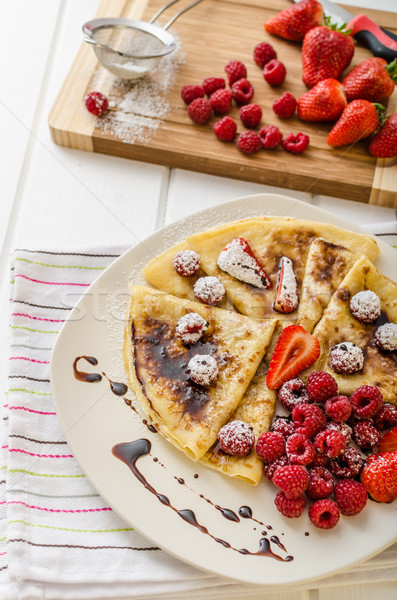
(52, 195)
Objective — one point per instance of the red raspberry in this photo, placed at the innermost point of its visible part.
(211, 84)
(330, 442)
(288, 507)
(263, 53)
(386, 417)
(321, 483)
(343, 428)
(346, 358)
(186, 263)
(292, 393)
(235, 70)
(349, 464)
(269, 469)
(96, 103)
(308, 419)
(366, 306)
(284, 426)
(365, 435)
(324, 514)
(209, 290)
(271, 136)
(295, 143)
(321, 386)
(191, 92)
(292, 480)
(270, 446)
(250, 115)
(202, 369)
(319, 460)
(221, 101)
(300, 450)
(242, 91)
(236, 438)
(249, 142)
(225, 129)
(285, 106)
(274, 72)
(200, 110)
(191, 328)
(351, 497)
(366, 401)
(338, 408)
(386, 337)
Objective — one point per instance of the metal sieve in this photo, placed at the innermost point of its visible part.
(129, 48)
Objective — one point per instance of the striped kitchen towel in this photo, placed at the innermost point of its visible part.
(58, 538)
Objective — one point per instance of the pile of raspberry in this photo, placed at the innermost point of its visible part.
(213, 97)
(315, 454)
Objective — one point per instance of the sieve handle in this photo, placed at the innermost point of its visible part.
(176, 16)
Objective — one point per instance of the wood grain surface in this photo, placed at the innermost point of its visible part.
(212, 33)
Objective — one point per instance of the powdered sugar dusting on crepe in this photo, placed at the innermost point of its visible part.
(235, 261)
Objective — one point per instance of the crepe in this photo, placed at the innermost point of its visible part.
(188, 415)
(339, 325)
(326, 266)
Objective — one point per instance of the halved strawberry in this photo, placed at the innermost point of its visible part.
(238, 260)
(295, 350)
(287, 288)
(379, 476)
(388, 442)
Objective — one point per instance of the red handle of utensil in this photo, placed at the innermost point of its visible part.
(381, 42)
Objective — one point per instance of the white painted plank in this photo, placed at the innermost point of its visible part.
(383, 591)
(356, 212)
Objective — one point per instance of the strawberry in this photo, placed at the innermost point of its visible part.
(326, 52)
(324, 102)
(388, 442)
(359, 119)
(372, 80)
(295, 350)
(238, 260)
(379, 476)
(287, 289)
(296, 20)
(384, 143)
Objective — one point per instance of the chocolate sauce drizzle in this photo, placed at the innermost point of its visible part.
(86, 377)
(131, 452)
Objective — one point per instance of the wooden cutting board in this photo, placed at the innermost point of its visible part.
(212, 33)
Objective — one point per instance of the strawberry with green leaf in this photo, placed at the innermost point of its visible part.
(373, 79)
(359, 119)
(379, 476)
(384, 143)
(296, 20)
(324, 102)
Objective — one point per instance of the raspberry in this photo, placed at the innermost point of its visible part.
(209, 290)
(343, 428)
(263, 53)
(250, 115)
(319, 460)
(186, 263)
(249, 142)
(338, 408)
(269, 469)
(96, 103)
(191, 92)
(321, 386)
(365, 306)
(236, 438)
(235, 70)
(366, 401)
(274, 72)
(346, 358)
(386, 417)
(292, 480)
(271, 136)
(285, 106)
(288, 507)
(308, 419)
(284, 426)
(211, 84)
(321, 483)
(386, 337)
(270, 446)
(330, 442)
(296, 143)
(324, 514)
(203, 369)
(225, 129)
(348, 464)
(300, 450)
(365, 435)
(199, 110)
(221, 101)
(191, 327)
(292, 393)
(351, 497)
(242, 91)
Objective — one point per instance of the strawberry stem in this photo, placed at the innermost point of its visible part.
(335, 27)
(391, 68)
(379, 111)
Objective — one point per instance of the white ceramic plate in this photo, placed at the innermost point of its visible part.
(94, 420)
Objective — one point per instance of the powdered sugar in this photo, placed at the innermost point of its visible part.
(237, 262)
(236, 438)
(203, 369)
(191, 327)
(186, 263)
(209, 290)
(366, 306)
(287, 288)
(346, 358)
(386, 337)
